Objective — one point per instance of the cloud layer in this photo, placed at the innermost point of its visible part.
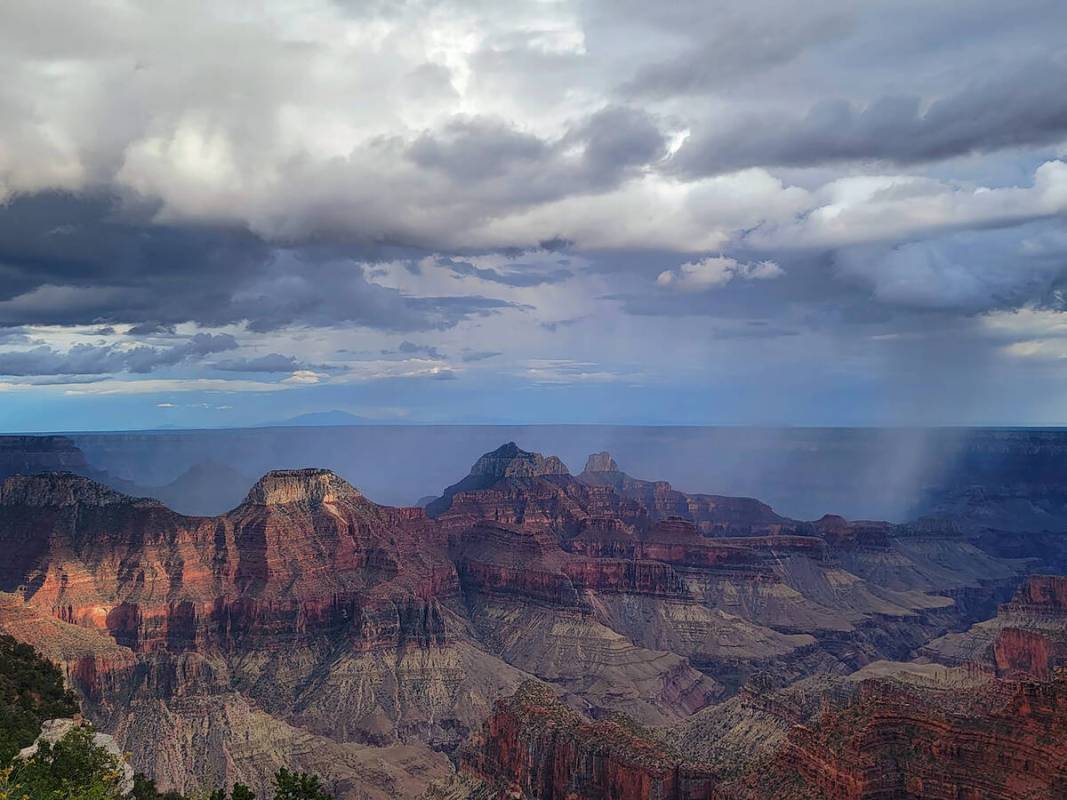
(477, 197)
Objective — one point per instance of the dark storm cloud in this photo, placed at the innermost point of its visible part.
(477, 149)
(69, 260)
(1026, 106)
(902, 288)
(462, 306)
(595, 154)
(727, 44)
(557, 244)
(88, 359)
(411, 349)
(618, 138)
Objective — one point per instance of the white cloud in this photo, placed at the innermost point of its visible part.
(304, 376)
(715, 271)
(565, 371)
(1039, 334)
(155, 102)
(1037, 349)
(162, 386)
(1027, 321)
(879, 208)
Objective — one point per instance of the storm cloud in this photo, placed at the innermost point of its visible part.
(70, 261)
(1023, 107)
(88, 359)
(439, 206)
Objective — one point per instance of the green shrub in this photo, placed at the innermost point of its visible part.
(144, 788)
(73, 768)
(239, 792)
(31, 691)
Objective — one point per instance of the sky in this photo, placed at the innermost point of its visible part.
(560, 211)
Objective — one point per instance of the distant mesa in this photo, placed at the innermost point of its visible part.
(305, 486)
(601, 462)
(26, 455)
(62, 490)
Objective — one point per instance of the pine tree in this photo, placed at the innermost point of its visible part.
(298, 786)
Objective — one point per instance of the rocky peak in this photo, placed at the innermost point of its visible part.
(510, 461)
(1044, 591)
(60, 490)
(308, 486)
(601, 462)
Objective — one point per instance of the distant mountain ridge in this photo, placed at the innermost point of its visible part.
(318, 419)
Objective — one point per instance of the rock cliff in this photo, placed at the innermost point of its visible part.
(712, 514)
(534, 746)
(312, 627)
(1032, 622)
(1000, 740)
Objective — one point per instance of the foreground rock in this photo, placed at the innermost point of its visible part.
(55, 729)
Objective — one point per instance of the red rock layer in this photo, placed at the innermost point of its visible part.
(536, 746)
(556, 503)
(714, 515)
(1043, 594)
(1021, 653)
(676, 541)
(1000, 741)
(504, 559)
(305, 553)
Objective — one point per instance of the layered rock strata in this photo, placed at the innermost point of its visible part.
(312, 627)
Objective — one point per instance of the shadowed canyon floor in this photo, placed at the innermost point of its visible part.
(310, 627)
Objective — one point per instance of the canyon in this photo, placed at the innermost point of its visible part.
(915, 730)
(543, 633)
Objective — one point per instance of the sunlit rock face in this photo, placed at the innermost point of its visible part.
(307, 623)
(313, 628)
(306, 487)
